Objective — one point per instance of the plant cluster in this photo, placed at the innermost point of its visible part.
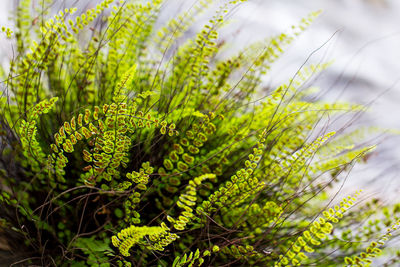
(127, 143)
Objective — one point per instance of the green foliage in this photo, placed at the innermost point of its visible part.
(96, 251)
(124, 142)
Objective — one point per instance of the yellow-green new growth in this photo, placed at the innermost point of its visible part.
(318, 230)
(133, 235)
(373, 250)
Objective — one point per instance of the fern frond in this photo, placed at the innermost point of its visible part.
(186, 202)
(373, 250)
(315, 234)
(132, 235)
(33, 152)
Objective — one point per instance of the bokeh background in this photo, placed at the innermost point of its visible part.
(361, 36)
(363, 39)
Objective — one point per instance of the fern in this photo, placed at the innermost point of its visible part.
(129, 141)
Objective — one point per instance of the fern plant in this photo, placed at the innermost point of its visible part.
(128, 143)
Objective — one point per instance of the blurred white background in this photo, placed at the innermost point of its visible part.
(363, 39)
